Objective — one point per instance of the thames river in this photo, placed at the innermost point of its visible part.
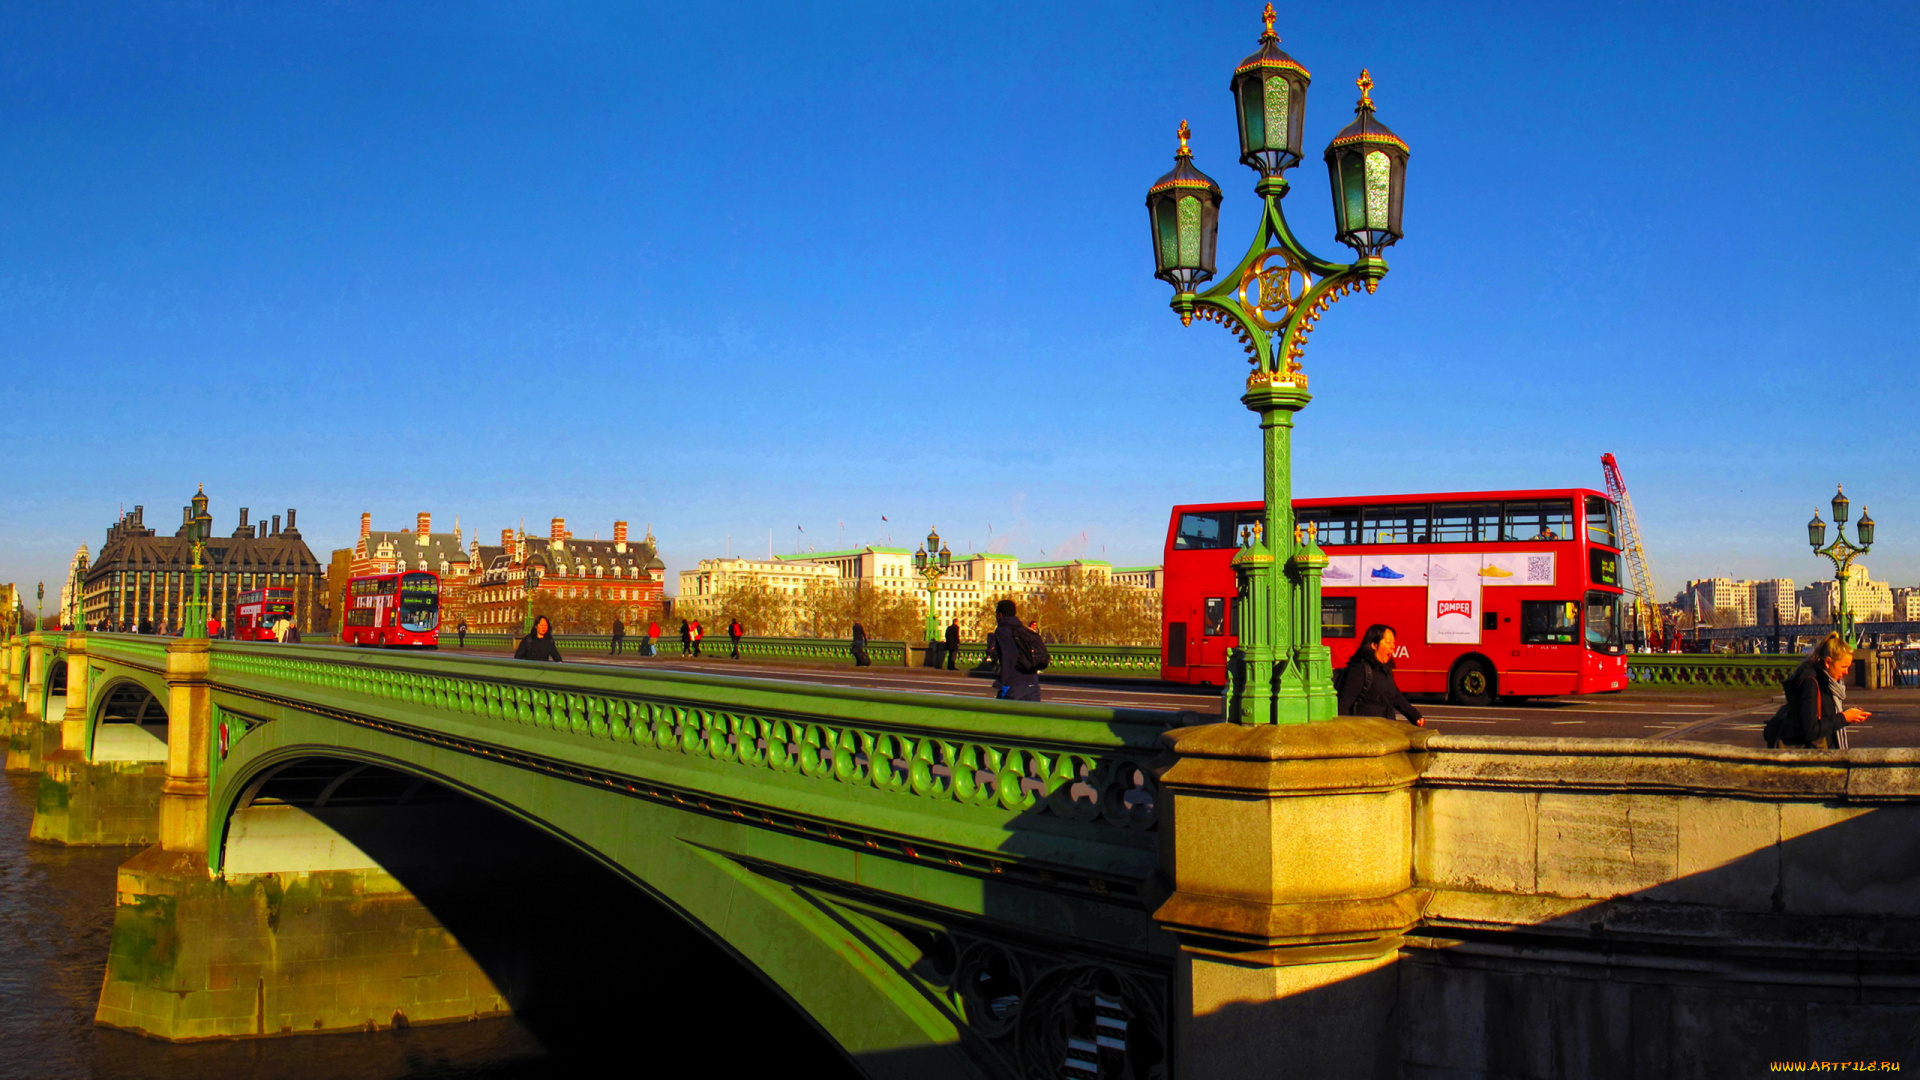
(56, 914)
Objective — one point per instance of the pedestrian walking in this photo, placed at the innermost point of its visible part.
(1815, 716)
(653, 638)
(213, 626)
(619, 635)
(280, 629)
(698, 632)
(953, 643)
(860, 658)
(1020, 654)
(462, 631)
(734, 630)
(686, 638)
(1366, 684)
(538, 644)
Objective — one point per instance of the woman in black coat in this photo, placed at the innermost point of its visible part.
(538, 644)
(1816, 710)
(1366, 683)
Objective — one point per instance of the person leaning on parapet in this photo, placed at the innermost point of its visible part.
(1009, 681)
(1816, 716)
(538, 644)
(1366, 683)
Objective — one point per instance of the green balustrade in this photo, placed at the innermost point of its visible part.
(1706, 669)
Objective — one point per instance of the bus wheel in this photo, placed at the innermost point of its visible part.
(1471, 684)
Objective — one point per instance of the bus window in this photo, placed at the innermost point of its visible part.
(1549, 622)
(1600, 522)
(1337, 616)
(1603, 622)
(1455, 523)
(1213, 529)
(1216, 617)
(1333, 524)
(1603, 567)
(1177, 644)
(1394, 524)
(1540, 519)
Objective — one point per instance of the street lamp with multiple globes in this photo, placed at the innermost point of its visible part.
(1842, 554)
(931, 563)
(1280, 673)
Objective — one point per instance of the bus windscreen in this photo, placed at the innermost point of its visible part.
(419, 602)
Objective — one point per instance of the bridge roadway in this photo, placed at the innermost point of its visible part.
(1726, 716)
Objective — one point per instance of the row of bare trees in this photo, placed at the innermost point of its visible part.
(1082, 613)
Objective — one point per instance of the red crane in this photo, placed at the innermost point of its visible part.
(1646, 603)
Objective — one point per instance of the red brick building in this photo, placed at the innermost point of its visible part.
(421, 549)
(580, 582)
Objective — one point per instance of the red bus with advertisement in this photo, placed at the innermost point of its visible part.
(257, 611)
(386, 610)
(1490, 593)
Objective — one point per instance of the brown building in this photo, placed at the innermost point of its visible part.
(422, 549)
(581, 584)
(141, 576)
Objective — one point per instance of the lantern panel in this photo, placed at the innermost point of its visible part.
(1379, 176)
(1190, 231)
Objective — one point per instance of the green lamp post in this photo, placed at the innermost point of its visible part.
(1280, 672)
(39, 604)
(193, 614)
(530, 585)
(932, 562)
(1841, 554)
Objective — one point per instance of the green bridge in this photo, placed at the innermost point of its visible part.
(952, 886)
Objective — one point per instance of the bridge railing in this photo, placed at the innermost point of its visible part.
(1706, 669)
(750, 745)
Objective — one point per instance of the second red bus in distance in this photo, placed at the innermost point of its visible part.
(1510, 593)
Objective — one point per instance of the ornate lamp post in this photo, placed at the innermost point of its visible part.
(1280, 673)
(39, 601)
(1842, 554)
(193, 613)
(931, 563)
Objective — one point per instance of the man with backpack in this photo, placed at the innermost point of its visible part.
(1020, 656)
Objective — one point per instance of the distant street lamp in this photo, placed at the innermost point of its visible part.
(1842, 554)
(532, 583)
(39, 601)
(1280, 672)
(931, 563)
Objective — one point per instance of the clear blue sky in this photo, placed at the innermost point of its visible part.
(737, 268)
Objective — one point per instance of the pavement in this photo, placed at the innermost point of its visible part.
(1731, 717)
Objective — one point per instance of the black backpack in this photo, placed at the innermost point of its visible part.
(1032, 651)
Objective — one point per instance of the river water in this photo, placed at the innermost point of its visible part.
(56, 915)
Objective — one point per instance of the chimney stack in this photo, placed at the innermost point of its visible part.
(366, 525)
(139, 515)
(506, 540)
(422, 525)
(620, 537)
(290, 519)
(276, 526)
(557, 532)
(243, 518)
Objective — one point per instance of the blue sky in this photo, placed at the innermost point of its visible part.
(728, 269)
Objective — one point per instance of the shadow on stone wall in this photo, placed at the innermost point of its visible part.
(1807, 949)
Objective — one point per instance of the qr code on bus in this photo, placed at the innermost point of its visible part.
(1539, 569)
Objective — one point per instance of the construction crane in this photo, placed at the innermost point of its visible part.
(1647, 603)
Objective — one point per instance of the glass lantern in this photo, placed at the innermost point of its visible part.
(1865, 528)
(1817, 531)
(1183, 208)
(1270, 98)
(1367, 165)
(1840, 505)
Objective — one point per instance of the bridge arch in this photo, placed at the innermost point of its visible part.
(128, 719)
(615, 926)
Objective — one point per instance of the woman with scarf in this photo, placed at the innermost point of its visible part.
(1366, 684)
(1816, 716)
(538, 644)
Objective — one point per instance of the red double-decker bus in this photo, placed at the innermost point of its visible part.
(393, 609)
(258, 609)
(1510, 593)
